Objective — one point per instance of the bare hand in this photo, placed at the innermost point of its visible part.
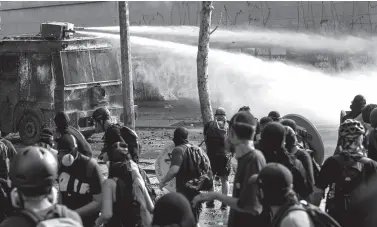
(203, 197)
(162, 185)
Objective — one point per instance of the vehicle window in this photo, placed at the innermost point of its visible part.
(76, 67)
(8, 66)
(105, 65)
(41, 68)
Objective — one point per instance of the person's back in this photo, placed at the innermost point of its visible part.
(372, 137)
(83, 145)
(33, 173)
(298, 152)
(124, 192)
(62, 126)
(272, 144)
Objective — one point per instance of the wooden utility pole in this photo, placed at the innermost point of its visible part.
(126, 65)
(202, 62)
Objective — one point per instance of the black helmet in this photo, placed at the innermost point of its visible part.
(34, 171)
(101, 114)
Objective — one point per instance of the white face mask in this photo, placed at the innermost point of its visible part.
(68, 159)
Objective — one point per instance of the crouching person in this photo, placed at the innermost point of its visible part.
(80, 180)
(125, 201)
(33, 173)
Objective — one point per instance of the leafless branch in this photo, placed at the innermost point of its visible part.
(218, 23)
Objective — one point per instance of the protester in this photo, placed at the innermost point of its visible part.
(62, 127)
(33, 173)
(80, 180)
(262, 124)
(299, 153)
(264, 121)
(7, 152)
(245, 206)
(124, 192)
(214, 136)
(10, 146)
(173, 209)
(275, 190)
(357, 105)
(372, 136)
(275, 116)
(344, 173)
(115, 133)
(187, 162)
(47, 141)
(273, 148)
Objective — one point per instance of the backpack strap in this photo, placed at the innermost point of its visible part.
(90, 167)
(283, 212)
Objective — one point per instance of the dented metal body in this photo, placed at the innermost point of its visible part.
(39, 77)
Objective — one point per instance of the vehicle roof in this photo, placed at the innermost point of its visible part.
(35, 43)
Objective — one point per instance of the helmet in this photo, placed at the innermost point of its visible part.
(351, 128)
(220, 112)
(34, 171)
(274, 115)
(373, 118)
(101, 114)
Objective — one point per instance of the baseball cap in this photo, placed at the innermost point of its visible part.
(290, 123)
(220, 112)
(181, 133)
(243, 118)
(274, 115)
(274, 178)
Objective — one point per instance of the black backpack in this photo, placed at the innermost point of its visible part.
(317, 216)
(316, 166)
(126, 202)
(131, 138)
(198, 173)
(353, 174)
(302, 185)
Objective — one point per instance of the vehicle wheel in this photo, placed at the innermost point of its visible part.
(30, 129)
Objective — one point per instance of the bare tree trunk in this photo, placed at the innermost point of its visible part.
(202, 62)
(127, 80)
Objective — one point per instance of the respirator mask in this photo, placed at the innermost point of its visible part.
(68, 159)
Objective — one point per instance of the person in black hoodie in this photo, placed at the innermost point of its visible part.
(357, 105)
(273, 148)
(62, 126)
